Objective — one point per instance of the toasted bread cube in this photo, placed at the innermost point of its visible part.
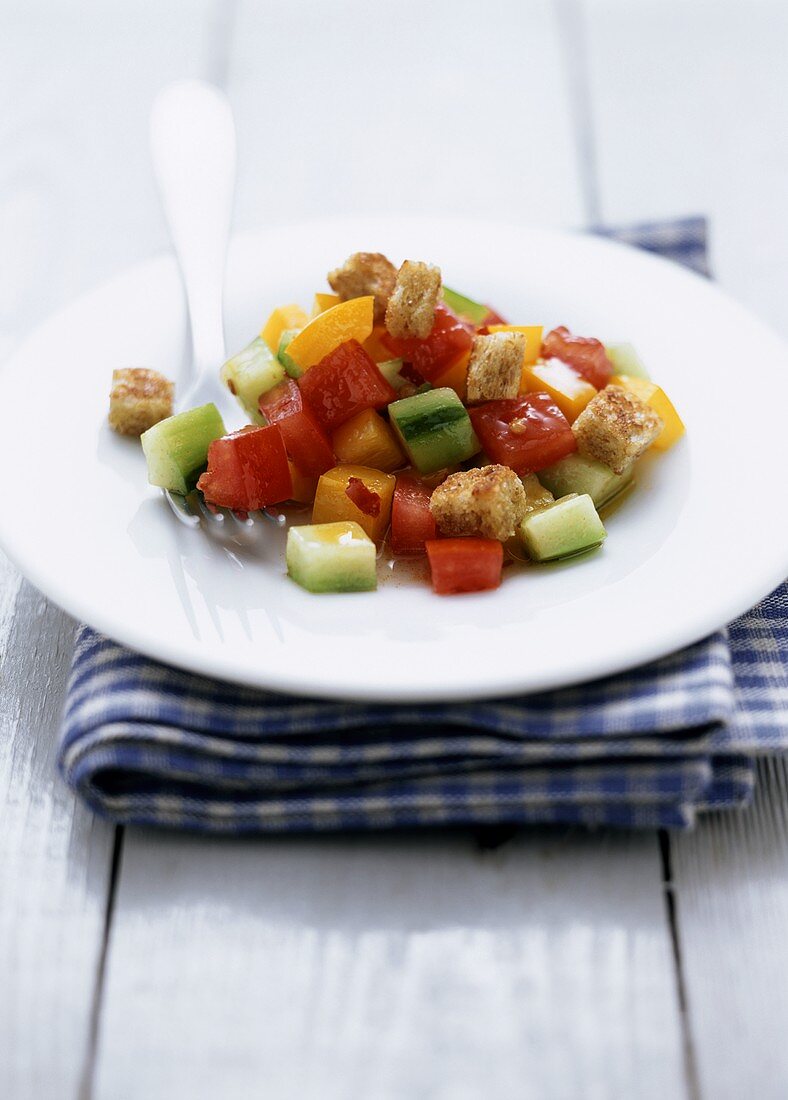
(489, 501)
(365, 273)
(495, 366)
(139, 399)
(411, 308)
(616, 427)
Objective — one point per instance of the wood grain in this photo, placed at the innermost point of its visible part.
(388, 968)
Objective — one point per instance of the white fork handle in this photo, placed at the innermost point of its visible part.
(193, 148)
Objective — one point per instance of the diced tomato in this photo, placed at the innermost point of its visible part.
(450, 338)
(464, 565)
(493, 318)
(583, 353)
(363, 498)
(343, 383)
(412, 523)
(306, 442)
(527, 433)
(247, 470)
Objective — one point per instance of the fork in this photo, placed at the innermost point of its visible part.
(192, 137)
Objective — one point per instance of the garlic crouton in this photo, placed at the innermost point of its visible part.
(495, 366)
(489, 502)
(616, 427)
(411, 308)
(139, 399)
(365, 273)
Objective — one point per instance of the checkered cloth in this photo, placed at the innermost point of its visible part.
(146, 744)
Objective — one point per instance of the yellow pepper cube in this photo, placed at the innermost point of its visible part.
(304, 488)
(367, 440)
(570, 392)
(456, 377)
(374, 346)
(348, 321)
(284, 317)
(658, 400)
(332, 502)
(533, 339)
(324, 302)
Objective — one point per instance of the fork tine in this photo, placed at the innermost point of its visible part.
(181, 509)
(207, 513)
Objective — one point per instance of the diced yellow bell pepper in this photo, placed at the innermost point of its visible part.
(332, 503)
(456, 377)
(367, 440)
(304, 488)
(324, 302)
(658, 400)
(282, 318)
(570, 392)
(533, 339)
(348, 321)
(374, 346)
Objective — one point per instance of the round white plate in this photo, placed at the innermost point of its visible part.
(703, 537)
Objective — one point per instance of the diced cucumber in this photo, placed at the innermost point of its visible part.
(626, 360)
(466, 307)
(391, 371)
(536, 496)
(579, 474)
(435, 429)
(563, 529)
(176, 449)
(250, 373)
(287, 361)
(331, 557)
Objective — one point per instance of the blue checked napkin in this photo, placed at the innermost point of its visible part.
(146, 744)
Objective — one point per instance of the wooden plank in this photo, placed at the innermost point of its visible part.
(731, 881)
(54, 861)
(689, 99)
(390, 967)
(423, 108)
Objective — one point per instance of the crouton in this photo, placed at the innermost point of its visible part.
(139, 399)
(365, 273)
(616, 427)
(411, 308)
(489, 502)
(495, 367)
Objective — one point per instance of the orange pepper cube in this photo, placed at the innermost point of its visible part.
(304, 487)
(333, 504)
(533, 339)
(284, 317)
(347, 321)
(374, 346)
(324, 302)
(658, 400)
(567, 388)
(456, 377)
(367, 440)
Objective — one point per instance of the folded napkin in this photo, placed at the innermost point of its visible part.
(143, 743)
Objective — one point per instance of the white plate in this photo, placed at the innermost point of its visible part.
(701, 540)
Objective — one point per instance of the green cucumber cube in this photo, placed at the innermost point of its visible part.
(626, 360)
(579, 474)
(435, 429)
(287, 361)
(251, 373)
(563, 529)
(332, 557)
(466, 307)
(390, 369)
(176, 449)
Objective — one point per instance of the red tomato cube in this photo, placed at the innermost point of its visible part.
(306, 442)
(412, 523)
(464, 565)
(247, 470)
(450, 338)
(526, 433)
(582, 353)
(343, 383)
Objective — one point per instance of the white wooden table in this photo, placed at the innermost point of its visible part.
(561, 964)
